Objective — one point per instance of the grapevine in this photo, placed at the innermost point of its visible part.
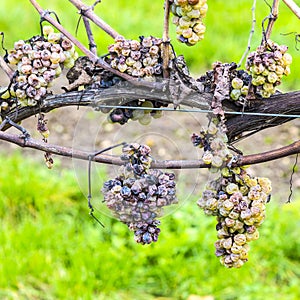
(139, 193)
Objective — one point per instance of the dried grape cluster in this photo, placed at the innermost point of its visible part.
(38, 61)
(137, 195)
(267, 65)
(141, 59)
(188, 17)
(138, 58)
(214, 143)
(237, 199)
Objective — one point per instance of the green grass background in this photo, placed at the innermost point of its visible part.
(51, 249)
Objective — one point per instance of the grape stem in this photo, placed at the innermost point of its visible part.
(272, 18)
(293, 7)
(87, 11)
(253, 9)
(166, 41)
(92, 44)
(291, 149)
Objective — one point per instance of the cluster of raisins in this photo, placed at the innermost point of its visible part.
(188, 17)
(267, 65)
(137, 195)
(38, 62)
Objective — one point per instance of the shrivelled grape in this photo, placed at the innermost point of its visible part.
(38, 61)
(188, 17)
(137, 195)
(267, 65)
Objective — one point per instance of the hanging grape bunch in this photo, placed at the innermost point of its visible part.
(142, 59)
(267, 65)
(237, 199)
(38, 61)
(188, 17)
(137, 195)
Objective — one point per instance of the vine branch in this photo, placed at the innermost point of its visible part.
(166, 41)
(291, 149)
(87, 11)
(272, 18)
(293, 7)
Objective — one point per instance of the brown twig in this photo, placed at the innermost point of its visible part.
(272, 18)
(156, 164)
(293, 7)
(92, 44)
(166, 41)
(88, 12)
(6, 68)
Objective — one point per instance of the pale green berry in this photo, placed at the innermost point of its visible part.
(199, 28)
(287, 71)
(240, 239)
(259, 80)
(145, 120)
(227, 243)
(237, 83)
(147, 104)
(47, 30)
(194, 39)
(187, 33)
(268, 87)
(194, 14)
(272, 77)
(287, 59)
(235, 94)
(228, 205)
(231, 188)
(183, 23)
(236, 249)
(207, 157)
(217, 161)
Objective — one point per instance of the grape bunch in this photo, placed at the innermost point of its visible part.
(213, 140)
(238, 200)
(188, 17)
(267, 65)
(137, 195)
(239, 86)
(142, 59)
(38, 62)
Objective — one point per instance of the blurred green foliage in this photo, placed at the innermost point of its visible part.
(228, 26)
(51, 249)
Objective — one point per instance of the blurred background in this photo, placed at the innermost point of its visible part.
(49, 246)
